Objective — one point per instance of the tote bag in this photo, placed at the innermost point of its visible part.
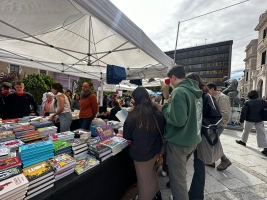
(209, 150)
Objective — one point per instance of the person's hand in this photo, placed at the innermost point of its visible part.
(32, 114)
(57, 120)
(166, 100)
(51, 118)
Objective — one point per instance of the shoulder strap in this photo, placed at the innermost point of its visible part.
(158, 128)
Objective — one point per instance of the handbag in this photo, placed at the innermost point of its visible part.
(164, 142)
(264, 114)
(209, 150)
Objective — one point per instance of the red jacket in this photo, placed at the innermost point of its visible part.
(88, 107)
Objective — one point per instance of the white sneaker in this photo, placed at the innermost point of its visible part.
(171, 197)
(163, 173)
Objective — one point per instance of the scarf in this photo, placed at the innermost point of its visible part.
(84, 95)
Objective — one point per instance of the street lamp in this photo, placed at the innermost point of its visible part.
(198, 17)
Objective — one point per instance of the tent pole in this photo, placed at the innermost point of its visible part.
(176, 43)
(69, 82)
(89, 42)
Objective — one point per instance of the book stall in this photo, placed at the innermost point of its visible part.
(37, 162)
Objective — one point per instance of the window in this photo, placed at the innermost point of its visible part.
(44, 72)
(247, 76)
(264, 33)
(14, 68)
(263, 58)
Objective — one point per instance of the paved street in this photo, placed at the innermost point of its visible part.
(245, 179)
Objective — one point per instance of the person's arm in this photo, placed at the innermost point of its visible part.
(94, 105)
(60, 106)
(128, 128)
(34, 105)
(224, 105)
(175, 112)
(244, 112)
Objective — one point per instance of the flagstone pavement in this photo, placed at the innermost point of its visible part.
(245, 179)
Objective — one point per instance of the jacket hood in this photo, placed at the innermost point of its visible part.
(192, 86)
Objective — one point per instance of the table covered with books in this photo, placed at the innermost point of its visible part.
(36, 162)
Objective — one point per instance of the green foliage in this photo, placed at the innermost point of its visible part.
(37, 84)
(80, 83)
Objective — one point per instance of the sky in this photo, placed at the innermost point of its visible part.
(159, 20)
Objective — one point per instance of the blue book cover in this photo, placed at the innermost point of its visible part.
(29, 156)
(30, 147)
(33, 161)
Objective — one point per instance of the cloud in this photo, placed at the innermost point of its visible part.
(159, 21)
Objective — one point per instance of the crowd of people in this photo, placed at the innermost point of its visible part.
(182, 121)
(173, 127)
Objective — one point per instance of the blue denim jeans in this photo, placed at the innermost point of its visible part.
(85, 123)
(65, 120)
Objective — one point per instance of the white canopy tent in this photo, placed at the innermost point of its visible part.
(77, 37)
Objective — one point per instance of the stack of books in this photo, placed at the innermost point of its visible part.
(114, 145)
(62, 146)
(36, 152)
(10, 162)
(79, 146)
(14, 187)
(63, 165)
(40, 177)
(6, 136)
(82, 133)
(4, 153)
(23, 120)
(46, 131)
(27, 136)
(100, 152)
(85, 162)
(10, 172)
(12, 144)
(42, 124)
(23, 128)
(123, 142)
(68, 135)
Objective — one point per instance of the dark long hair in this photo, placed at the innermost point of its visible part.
(59, 88)
(201, 83)
(143, 109)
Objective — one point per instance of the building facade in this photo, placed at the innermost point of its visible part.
(250, 65)
(212, 61)
(259, 75)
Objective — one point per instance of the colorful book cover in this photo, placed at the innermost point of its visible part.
(24, 128)
(26, 133)
(12, 183)
(76, 142)
(4, 134)
(34, 160)
(84, 163)
(105, 132)
(12, 143)
(29, 147)
(8, 173)
(36, 171)
(61, 144)
(110, 143)
(10, 162)
(7, 137)
(60, 161)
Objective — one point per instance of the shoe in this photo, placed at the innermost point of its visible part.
(163, 173)
(240, 142)
(157, 196)
(211, 165)
(171, 197)
(264, 152)
(168, 184)
(224, 165)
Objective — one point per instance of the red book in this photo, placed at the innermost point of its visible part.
(10, 162)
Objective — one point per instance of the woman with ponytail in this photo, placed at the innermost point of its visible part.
(62, 105)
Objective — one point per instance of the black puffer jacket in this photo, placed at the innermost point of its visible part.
(252, 110)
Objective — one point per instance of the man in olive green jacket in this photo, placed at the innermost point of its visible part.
(183, 113)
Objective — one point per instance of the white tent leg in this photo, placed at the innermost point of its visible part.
(101, 94)
(97, 95)
(69, 82)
